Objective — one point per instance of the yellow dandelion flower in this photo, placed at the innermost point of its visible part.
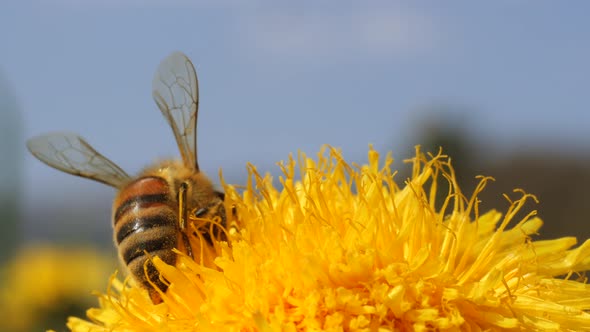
(43, 284)
(346, 249)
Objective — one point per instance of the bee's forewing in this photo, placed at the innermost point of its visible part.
(70, 153)
(175, 89)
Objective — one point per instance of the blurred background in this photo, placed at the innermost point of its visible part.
(502, 86)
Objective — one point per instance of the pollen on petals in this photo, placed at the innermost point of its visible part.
(347, 248)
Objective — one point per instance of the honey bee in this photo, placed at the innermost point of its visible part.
(150, 211)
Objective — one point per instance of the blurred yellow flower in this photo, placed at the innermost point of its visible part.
(346, 249)
(44, 283)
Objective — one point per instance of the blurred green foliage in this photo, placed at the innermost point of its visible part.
(10, 170)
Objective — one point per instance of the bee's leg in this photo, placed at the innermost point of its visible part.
(183, 217)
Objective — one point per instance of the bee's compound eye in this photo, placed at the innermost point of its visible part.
(220, 195)
(200, 212)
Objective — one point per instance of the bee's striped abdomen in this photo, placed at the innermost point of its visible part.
(145, 221)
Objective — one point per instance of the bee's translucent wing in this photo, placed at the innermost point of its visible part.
(72, 154)
(175, 89)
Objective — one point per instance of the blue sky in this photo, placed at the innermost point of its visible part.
(278, 76)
